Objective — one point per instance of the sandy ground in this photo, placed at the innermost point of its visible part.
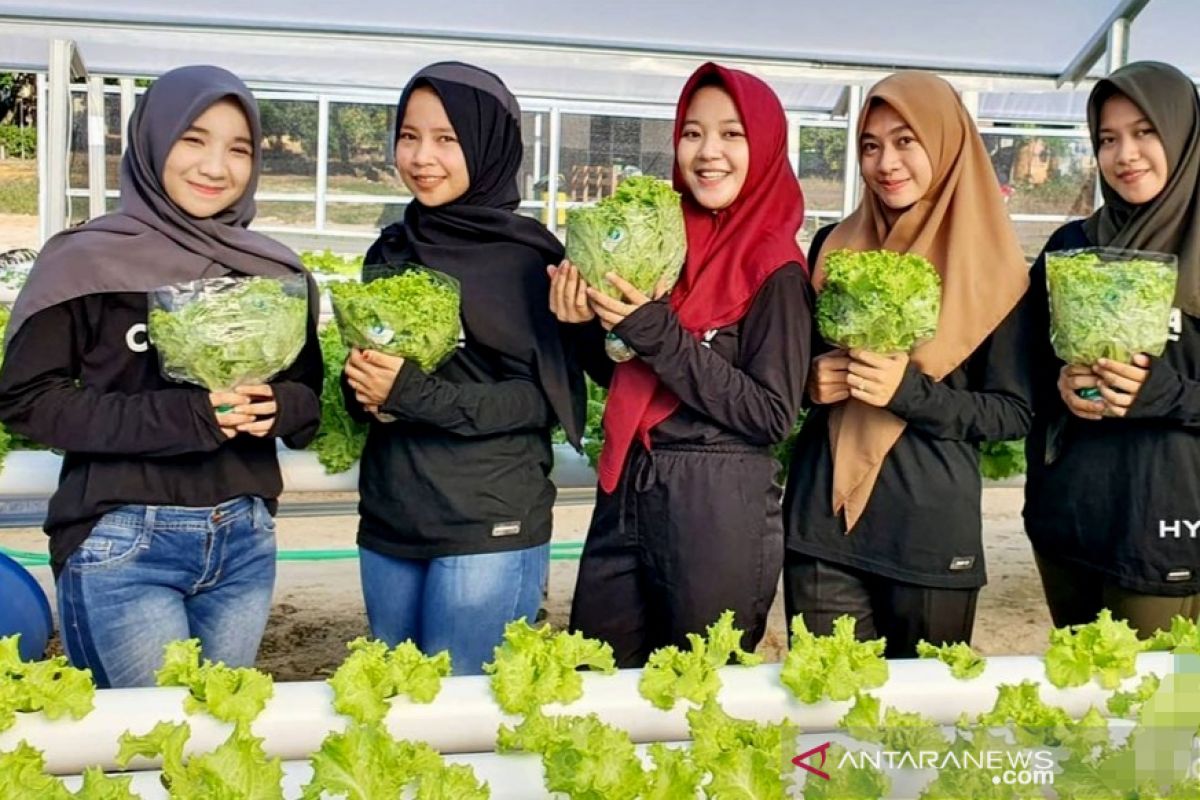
(318, 604)
(18, 230)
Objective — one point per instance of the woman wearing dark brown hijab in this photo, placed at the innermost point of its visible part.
(1112, 500)
(882, 504)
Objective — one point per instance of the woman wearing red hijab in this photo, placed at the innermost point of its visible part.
(687, 520)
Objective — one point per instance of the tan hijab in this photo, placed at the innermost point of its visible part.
(961, 226)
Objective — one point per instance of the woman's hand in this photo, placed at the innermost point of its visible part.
(874, 378)
(260, 405)
(613, 312)
(568, 294)
(224, 405)
(1119, 383)
(827, 378)
(372, 375)
(1073, 377)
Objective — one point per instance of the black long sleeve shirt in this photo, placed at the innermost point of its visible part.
(1118, 496)
(82, 377)
(465, 466)
(922, 523)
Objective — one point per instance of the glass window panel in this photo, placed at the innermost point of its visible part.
(362, 217)
(535, 134)
(289, 146)
(278, 214)
(598, 150)
(360, 149)
(822, 167)
(1044, 174)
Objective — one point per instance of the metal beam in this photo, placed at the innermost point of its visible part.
(1085, 59)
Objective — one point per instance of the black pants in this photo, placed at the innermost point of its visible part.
(1076, 594)
(686, 535)
(904, 613)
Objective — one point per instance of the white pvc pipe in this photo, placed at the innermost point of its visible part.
(464, 718)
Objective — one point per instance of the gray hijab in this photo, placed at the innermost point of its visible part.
(150, 241)
(1170, 223)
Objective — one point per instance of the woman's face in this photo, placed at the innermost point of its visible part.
(208, 168)
(894, 163)
(1131, 155)
(713, 153)
(428, 156)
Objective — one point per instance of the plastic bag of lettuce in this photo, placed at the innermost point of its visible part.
(413, 314)
(878, 300)
(225, 332)
(1109, 303)
(637, 233)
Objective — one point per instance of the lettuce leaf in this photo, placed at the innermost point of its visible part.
(23, 776)
(413, 314)
(1106, 648)
(671, 673)
(581, 756)
(1108, 308)
(878, 300)
(236, 695)
(835, 666)
(536, 666)
(964, 662)
(847, 782)
(51, 686)
(744, 759)
(372, 675)
(339, 441)
(238, 769)
(637, 233)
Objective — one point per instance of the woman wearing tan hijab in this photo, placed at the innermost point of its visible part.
(882, 503)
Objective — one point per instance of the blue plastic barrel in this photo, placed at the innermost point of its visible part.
(24, 609)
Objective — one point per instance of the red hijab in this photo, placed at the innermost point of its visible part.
(731, 253)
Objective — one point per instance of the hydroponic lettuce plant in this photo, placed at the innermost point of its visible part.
(340, 440)
(23, 777)
(535, 666)
(637, 233)
(671, 673)
(51, 686)
(1106, 649)
(413, 314)
(835, 666)
(330, 263)
(898, 731)
(964, 662)
(239, 769)
(849, 780)
(742, 759)
(231, 694)
(878, 300)
(373, 674)
(1109, 303)
(365, 763)
(221, 333)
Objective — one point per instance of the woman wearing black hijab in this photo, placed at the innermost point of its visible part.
(161, 527)
(1112, 499)
(456, 494)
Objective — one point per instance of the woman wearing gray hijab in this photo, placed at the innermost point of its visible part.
(1112, 499)
(161, 527)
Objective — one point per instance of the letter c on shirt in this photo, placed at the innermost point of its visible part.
(135, 338)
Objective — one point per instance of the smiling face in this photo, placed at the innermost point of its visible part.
(208, 169)
(894, 163)
(713, 153)
(428, 155)
(1131, 154)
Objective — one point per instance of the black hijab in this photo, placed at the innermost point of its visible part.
(498, 256)
(150, 241)
(1170, 223)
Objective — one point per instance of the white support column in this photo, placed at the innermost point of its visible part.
(96, 130)
(322, 161)
(1118, 45)
(58, 128)
(128, 103)
(552, 182)
(537, 148)
(793, 143)
(851, 188)
(43, 159)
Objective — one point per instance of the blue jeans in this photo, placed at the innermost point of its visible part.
(455, 603)
(150, 575)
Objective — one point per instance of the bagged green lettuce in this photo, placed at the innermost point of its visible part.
(637, 233)
(413, 314)
(1109, 303)
(221, 333)
(878, 300)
